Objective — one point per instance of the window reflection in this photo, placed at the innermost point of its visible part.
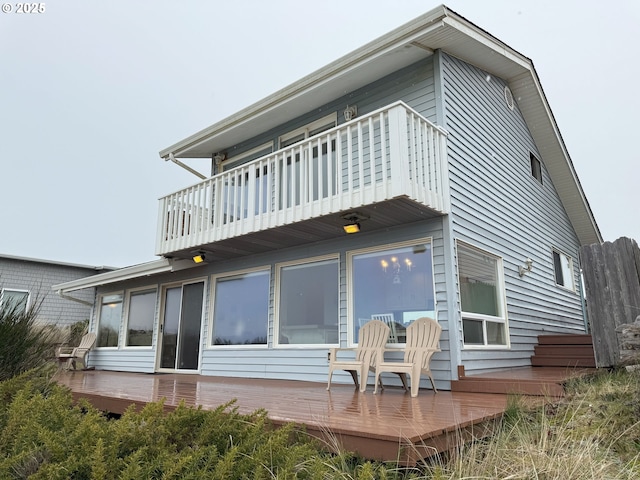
(308, 308)
(241, 309)
(395, 286)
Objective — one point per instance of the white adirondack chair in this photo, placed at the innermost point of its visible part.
(371, 342)
(423, 336)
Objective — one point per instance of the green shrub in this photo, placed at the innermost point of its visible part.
(44, 435)
(23, 344)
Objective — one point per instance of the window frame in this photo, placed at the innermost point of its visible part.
(277, 307)
(309, 130)
(212, 302)
(16, 290)
(536, 168)
(350, 254)
(99, 318)
(251, 154)
(562, 255)
(125, 316)
(501, 297)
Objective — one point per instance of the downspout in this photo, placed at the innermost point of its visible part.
(74, 299)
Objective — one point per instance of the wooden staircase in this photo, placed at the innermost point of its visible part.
(556, 359)
(564, 351)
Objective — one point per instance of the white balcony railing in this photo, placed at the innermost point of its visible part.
(390, 153)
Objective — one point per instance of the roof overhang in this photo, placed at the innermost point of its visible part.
(128, 273)
(438, 29)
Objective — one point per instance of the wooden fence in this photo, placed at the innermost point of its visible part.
(612, 289)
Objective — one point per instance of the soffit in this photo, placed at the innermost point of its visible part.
(439, 29)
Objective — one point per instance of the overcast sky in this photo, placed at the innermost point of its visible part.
(91, 91)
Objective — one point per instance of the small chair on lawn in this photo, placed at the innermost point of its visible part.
(423, 336)
(71, 354)
(372, 339)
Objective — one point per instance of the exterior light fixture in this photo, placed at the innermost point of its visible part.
(351, 228)
(352, 222)
(199, 257)
(350, 112)
(526, 268)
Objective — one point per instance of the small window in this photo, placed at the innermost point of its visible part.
(536, 168)
(14, 300)
(109, 321)
(563, 269)
(484, 322)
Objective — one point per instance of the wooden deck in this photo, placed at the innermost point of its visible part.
(388, 426)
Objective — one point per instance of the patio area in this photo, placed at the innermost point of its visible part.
(388, 426)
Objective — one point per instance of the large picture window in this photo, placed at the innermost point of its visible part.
(109, 321)
(140, 318)
(241, 309)
(308, 303)
(481, 297)
(393, 284)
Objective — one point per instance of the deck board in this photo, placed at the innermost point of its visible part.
(388, 426)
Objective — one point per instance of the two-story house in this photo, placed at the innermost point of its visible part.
(422, 174)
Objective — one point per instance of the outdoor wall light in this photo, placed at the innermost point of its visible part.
(353, 220)
(526, 268)
(350, 112)
(199, 257)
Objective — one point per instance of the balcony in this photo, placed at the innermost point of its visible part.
(389, 165)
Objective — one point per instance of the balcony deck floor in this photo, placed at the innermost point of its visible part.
(388, 426)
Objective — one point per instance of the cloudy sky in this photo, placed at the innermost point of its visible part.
(91, 91)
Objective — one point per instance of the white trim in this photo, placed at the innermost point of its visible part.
(380, 248)
(212, 305)
(203, 323)
(265, 147)
(125, 316)
(571, 267)
(17, 290)
(502, 297)
(325, 123)
(99, 318)
(126, 273)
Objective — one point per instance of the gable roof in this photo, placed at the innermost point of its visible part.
(440, 28)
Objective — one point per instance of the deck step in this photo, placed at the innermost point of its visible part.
(564, 351)
(569, 339)
(562, 361)
(517, 387)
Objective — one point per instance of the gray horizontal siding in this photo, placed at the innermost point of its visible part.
(37, 278)
(414, 85)
(123, 360)
(498, 206)
(306, 363)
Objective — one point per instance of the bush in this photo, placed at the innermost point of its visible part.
(23, 344)
(45, 436)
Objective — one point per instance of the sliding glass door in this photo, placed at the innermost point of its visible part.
(180, 327)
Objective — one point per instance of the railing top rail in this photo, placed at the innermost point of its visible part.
(315, 137)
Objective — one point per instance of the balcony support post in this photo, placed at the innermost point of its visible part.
(398, 151)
